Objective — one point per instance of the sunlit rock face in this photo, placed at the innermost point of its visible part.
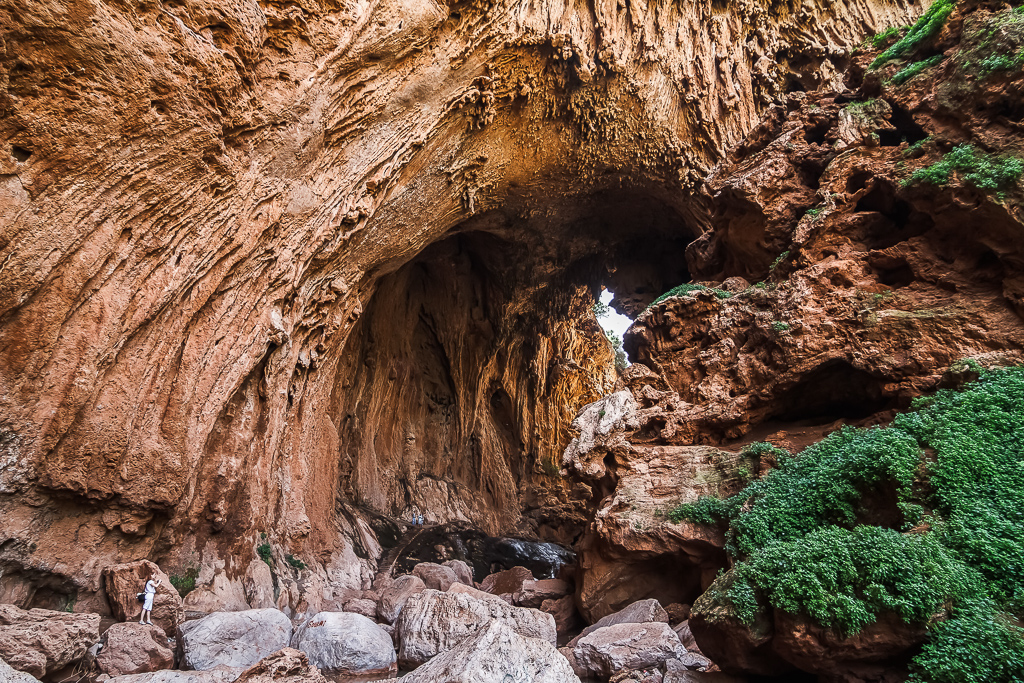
(264, 262)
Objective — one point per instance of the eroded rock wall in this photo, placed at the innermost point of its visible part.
(838, 286)
(205, 213)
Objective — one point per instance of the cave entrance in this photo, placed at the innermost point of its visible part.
(833, 391)
(457, 385)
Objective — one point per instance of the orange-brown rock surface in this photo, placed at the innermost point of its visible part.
(837, 288)
(264, 262)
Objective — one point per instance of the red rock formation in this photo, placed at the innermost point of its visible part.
(259, 258)
(870, 285)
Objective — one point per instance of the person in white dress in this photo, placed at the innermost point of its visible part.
(147, 604)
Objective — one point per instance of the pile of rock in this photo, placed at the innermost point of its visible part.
(435, 621)
(635, 644)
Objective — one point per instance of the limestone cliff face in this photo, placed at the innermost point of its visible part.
(263, 261)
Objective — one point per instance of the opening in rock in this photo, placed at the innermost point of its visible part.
(833, 391)
(20, 154)
(458, 383)
(614, 325)
(903, 221)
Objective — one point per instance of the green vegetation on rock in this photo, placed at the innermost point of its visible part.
(684, 289)
(979, 169)
(923, 519)
(185, 583)
(930, 23)
(914, 69)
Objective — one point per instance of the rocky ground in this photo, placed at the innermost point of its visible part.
(435, 621)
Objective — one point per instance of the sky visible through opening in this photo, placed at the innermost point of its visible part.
(613, 322)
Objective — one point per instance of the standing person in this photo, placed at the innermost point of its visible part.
(147, 605)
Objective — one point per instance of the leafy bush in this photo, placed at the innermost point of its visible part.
(930, 23)
(264, 551)
(914, 69)
(684, 289)
(981, 170)
(186, 583)
(807, 537)
(294, 561)
(780, 325)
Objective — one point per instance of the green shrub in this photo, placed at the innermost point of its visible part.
(294, 561)
(265, 553)
(881, 39)
(979, 169)
(807, 537)
(186, 583)
(780, 325)
(930, 23)
(684, 289)
(707, 510)
(914, 69)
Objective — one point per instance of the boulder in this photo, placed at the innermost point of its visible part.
(346, 643)
(737, 647)
(222, 674)
(630, 646)
(39, 641)
(434, 622)
(686, 635)
(640, 612)
(368, 608)
(508, 581)
(494, 654)
(534, 593)
(478, 594)
(878, 647)
(284, 666)
(258, 585)
(564, 612)
(462, 570)
(123, 582)
(11, 675)
(132, 648)
(393, 598)
(691, 661)
(435, 576)
(236, 639)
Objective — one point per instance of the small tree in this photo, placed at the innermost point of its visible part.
(620, 355)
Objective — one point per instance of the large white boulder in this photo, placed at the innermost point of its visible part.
(496, 654)
(434, 622)
(345, 643)
(626, 646)
(235, 639)
(640, 612)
